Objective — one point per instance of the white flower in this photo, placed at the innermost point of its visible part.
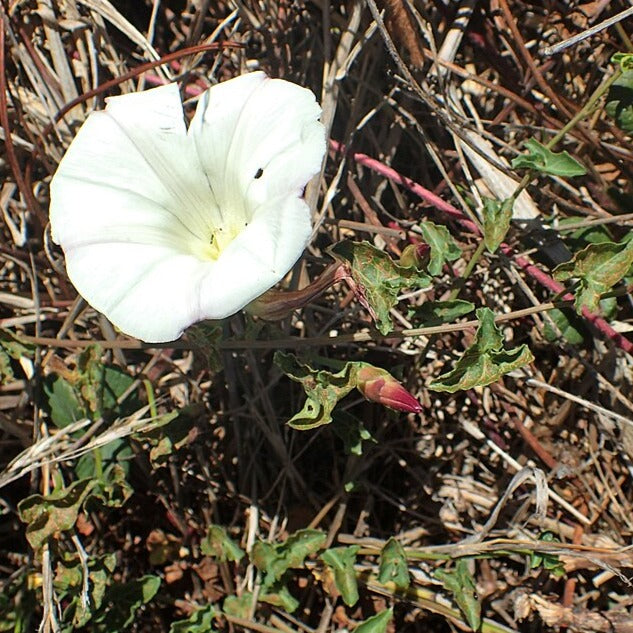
(163, 226)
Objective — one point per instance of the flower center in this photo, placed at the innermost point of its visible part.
(219, 239)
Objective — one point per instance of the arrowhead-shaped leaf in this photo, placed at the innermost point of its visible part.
(544, 160)
(393, 565)
(378, 278)
(485, 361)
(461, 584)
(598, 267)
(497, 216)
(341, 561)
(443, 246)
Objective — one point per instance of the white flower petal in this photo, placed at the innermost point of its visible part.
(153, 292)
(257, 258)
(268, 133)
(149, 292)
(138, 149)
(162, 227)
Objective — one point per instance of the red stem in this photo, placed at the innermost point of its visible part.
(536, 273)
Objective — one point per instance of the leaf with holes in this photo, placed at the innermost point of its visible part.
(378, 279)
(598, 268)
(485, 361)
(324, 389)
(542, 159)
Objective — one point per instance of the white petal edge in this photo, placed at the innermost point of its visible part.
(138, 149)
(271, 127)
(153, 293)
(118, 213)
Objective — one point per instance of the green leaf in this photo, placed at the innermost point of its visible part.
(584, 235)
(11, 348)
(485, 361)
(239, 606)
(376, 624)
(47, 515)
(90, 390)
(379, 280)
(549, 562)
(115, 383)
(625, 60)
(393, 565)
(275, 559)
(571, 326)
(323, 390)
(122, 601)
(432, 313)
(497, 216)
(544, 160)
(279, 596)
(112, 489)
(352, 431)
(461, 584)
(117, 452)
(200, 621)
(598, 268)
(340, 560)
(69, 584)
(19, 603)
(63, 403)
(171, 432)
(620, 101)
(56, 512)
(443, 246)
(219, 545)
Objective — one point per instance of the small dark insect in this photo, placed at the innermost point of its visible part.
(259, 174)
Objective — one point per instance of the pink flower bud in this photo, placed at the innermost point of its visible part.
(378, 385)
